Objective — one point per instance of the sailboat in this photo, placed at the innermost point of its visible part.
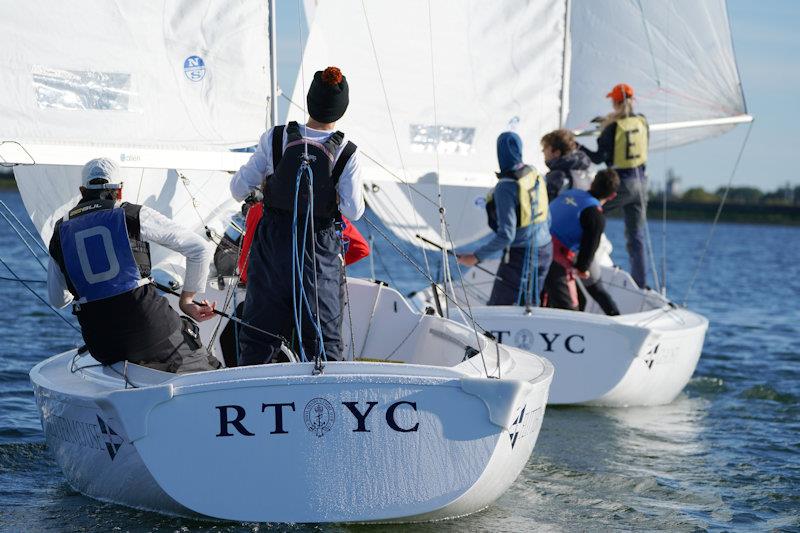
(443, 88)
(432, 421)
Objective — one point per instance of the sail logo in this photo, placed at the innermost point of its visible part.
(524, 425)
(194, 68)
(99, 436)
(319, 416)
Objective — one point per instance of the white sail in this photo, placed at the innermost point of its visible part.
(157, 85)
(493, 65)
(678, 57)
(164, 74)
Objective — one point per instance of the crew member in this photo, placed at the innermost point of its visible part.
(295, 281)
(622, 145)
(569, 167)
(517, 210)
(577, 225)
(354, 244)
(100, 260)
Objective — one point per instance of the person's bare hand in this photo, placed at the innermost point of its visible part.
(469, 260)
(582, 274)
(199, 313)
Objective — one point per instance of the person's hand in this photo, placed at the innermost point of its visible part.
(199, 313)
(469, 260)
(583, 274)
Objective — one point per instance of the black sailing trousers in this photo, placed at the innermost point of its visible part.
(269, 303)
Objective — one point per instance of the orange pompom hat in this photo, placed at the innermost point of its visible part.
(328, 96)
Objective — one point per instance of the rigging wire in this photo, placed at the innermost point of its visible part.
(22, 239)
(394, 129)
(35, 238)
(381, 166)
(442, 224)
(717, 215)
(39, 297)
(419, 269)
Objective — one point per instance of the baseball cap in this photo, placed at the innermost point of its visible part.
(101, 173)
(620, 92)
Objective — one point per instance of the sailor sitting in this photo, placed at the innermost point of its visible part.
(577, 225)
(100, 259)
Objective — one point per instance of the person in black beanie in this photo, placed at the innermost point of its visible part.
(295, 286)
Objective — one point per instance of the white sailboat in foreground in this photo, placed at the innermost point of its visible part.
(432, 422)
(447, 92)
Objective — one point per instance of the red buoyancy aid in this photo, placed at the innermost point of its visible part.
(356, 247)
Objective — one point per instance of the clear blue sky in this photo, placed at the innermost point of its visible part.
(766, 36)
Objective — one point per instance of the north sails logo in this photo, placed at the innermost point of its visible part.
(113, 441)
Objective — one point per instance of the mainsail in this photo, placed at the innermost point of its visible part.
(443, 80)
(530, 66)
(677, 55)
(171, 84)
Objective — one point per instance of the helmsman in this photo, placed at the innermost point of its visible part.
(100, 261)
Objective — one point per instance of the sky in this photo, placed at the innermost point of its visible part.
(767, 44)
(766, 39)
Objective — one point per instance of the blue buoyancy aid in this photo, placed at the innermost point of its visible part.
(97, 254)
(566, 211)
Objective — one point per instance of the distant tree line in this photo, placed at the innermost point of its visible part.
(787, 195)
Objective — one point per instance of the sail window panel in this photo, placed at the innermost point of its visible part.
(82, 90)
(444, 139)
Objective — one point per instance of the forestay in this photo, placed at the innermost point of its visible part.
(677, 55)
(493, 66)
(174, 80)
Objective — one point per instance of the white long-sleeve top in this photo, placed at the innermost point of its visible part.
(259, 166)
(153, 227)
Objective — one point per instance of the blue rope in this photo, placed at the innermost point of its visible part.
(299, 294)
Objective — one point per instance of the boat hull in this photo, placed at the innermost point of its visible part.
(633, 360)
(364, 442)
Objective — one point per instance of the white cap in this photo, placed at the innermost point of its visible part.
(101, 168)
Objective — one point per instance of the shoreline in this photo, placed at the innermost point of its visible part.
(773, 215)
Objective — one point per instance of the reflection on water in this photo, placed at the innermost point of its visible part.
(724, 455)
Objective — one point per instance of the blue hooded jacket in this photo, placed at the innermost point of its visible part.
(506, 198)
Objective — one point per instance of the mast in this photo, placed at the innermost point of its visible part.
(273, 64)
(565, 67)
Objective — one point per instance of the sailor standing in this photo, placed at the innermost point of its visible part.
(622, 145)
(518, 214)
(577, 225)
(100, 260)
(295, 285)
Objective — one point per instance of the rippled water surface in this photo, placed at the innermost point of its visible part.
(724, 455)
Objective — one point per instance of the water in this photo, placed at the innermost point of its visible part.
(724, 455)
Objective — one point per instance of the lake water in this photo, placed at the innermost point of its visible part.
(724, 455)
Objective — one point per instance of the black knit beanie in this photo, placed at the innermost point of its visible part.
(328, 95)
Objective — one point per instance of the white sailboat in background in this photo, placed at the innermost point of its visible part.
(175, 85)
(445, 80)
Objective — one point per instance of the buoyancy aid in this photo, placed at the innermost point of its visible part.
(566, 211)
(630, 142)
(101, 255)
(532, 207)
(121, 314)
(280, 188)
